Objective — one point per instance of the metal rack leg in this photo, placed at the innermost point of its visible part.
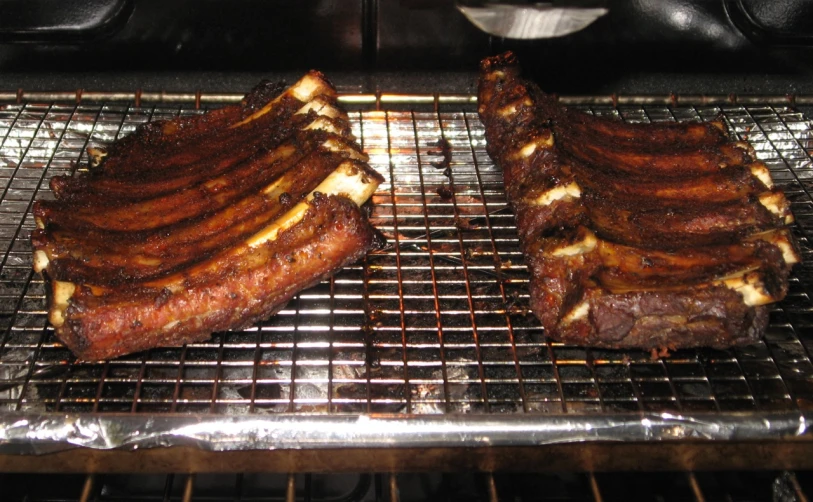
(492, 488)
(189, 488)
(698, 493)
(87, 488)
(395, 495)
(594, 488)
(290, 490)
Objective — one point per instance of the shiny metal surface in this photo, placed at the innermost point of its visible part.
(38, 434)
(529, 21)
(382, 99)
(425, 343)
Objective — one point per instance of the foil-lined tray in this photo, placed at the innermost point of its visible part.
(428, 342)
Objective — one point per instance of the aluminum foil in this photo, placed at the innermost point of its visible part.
(39, 434)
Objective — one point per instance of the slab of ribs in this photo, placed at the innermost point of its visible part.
(652, 236)
(204, 223)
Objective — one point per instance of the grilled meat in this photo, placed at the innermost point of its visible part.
(636, 235)
(204, 223)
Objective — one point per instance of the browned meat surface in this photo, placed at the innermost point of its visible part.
(636, 235)
(204, 223)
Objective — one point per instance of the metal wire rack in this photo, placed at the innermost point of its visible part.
(435, 324)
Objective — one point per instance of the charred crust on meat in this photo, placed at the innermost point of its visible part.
(162, 298)
(261, 94)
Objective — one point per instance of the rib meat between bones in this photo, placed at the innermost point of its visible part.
(204, 223)
(636, 235)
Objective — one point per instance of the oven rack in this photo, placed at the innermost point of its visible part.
(425, 344)
(380, 100)
(394, 487)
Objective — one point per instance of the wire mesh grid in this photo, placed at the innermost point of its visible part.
(437, 322)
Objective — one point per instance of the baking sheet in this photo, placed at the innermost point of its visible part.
(427, 342)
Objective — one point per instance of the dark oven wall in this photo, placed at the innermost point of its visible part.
(640, 46)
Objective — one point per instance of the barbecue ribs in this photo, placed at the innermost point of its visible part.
(204, 223)
(636, 235)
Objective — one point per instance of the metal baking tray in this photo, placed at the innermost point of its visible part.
(427, 343)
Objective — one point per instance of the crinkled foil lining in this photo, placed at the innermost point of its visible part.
(48, 433)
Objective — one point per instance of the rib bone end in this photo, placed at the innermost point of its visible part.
(62, 292)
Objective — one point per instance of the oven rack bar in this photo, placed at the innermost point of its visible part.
(381, 99)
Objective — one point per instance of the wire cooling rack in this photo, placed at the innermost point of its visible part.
(435, 324)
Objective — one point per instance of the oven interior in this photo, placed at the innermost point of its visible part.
(436, 324)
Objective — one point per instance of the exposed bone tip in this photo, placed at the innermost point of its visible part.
(543, 141)
(776, 203)
(570, 190)
(585, 245)
(334, 145)
(577, 313)
(322, 124)
(350, 179)
(750, 284)
(762, 173)
(62, 292)
(96, 156)
(310, 85)
(321, 108)
(40, 260)
(782, 239)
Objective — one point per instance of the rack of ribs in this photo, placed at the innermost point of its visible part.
(652, 236)
(204, 223)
